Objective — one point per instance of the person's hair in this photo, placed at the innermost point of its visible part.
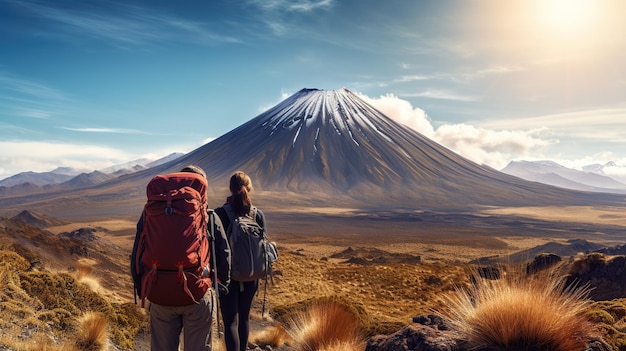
(194, 169)
(240, 188)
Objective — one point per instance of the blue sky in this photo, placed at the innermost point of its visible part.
(95, 83)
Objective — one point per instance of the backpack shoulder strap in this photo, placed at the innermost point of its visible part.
(230, 213)
(223, 216)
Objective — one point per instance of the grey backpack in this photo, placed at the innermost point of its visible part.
(252, 253)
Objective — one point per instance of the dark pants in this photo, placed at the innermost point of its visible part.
(235, 307)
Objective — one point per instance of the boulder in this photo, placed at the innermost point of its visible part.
(432, 335)
(542, 261)
(606, 275)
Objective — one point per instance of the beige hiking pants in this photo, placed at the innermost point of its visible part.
(194, 321)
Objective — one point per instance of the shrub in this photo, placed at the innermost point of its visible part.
(610, 317)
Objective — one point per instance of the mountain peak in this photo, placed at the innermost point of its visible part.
(37, 220)
(326, 139)
(591, 178)
(304, 107)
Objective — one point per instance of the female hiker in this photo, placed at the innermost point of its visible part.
(235, 305)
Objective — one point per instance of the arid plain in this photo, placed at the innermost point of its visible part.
(394, 265)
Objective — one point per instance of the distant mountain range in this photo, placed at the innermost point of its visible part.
(65, 177)
(591, 178)
(324, 148)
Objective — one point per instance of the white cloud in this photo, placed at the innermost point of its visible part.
(21, 156)
(617, 172)
(23, 87)
(442, 95)
(32, 113)
(283, 96)
(495, 148)
(30, 99)
(586, 137)
(412, 78)
(488, 72)
(18, 156)
(290, 5)
(602, 117)
(403, 112)
(207, 140)
(105, 130)
(308, 5)
(130, 26)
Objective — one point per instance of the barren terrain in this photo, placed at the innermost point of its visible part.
(314, 262)
(389, 265)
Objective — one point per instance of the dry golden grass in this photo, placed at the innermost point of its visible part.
(84, 268)
(387, 296)
(274, 336)
(520, 312)
(325, 326)
(42, 342)
(111, 225)
(84, 274)
(592, 214)
(40, 310)
(92, 332)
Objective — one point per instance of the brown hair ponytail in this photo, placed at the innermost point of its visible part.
(240, 188)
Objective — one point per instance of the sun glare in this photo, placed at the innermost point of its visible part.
(566, 17)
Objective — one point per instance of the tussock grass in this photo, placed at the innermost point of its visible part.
(274, 336)
(84, 274)
(84, 268)
(325, 326)
(520, 312)
(92, 334)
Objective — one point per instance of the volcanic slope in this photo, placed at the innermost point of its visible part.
(333, 142)
(331, 148)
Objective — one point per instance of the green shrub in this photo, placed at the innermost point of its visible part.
(610, 317)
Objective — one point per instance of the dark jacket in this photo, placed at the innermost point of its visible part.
(222, 251)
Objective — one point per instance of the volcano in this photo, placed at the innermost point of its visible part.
(333, 145)
(331, 148)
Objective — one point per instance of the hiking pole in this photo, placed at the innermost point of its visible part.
(264, 299)
(214, 259)
(268, 272)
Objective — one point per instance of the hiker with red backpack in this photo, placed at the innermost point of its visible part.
(252, 256)
(180, 257)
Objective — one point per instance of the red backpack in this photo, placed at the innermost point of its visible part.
(171, 254)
